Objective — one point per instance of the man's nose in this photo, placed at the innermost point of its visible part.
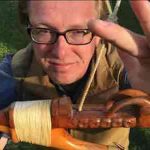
(61, 47)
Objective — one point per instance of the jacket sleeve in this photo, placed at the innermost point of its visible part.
(7, 83)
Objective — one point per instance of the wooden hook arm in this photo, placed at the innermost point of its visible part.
(60, 138)
(66, 142)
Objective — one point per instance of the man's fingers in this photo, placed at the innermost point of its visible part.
(3, 142)
(142, 10)
(121, 37)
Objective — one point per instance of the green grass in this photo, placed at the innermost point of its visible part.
(11, 34)
(12, 38)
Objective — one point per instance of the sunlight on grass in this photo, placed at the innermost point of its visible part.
(4, 49)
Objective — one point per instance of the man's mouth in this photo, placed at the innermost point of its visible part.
(60, 66)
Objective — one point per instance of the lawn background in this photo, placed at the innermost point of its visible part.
(12, 38)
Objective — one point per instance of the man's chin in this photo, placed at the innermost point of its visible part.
(63, 80)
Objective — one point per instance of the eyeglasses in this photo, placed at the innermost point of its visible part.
(50, 36)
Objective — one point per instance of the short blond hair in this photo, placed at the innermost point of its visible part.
(101, 9)
(100, 5)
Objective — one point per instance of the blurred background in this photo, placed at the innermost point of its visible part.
(13, 37)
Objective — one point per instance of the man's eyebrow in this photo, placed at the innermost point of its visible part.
(75, 26)
(42, 25)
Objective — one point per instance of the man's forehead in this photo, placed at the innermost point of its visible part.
(57, 11)
(63, 5)
(82, 3)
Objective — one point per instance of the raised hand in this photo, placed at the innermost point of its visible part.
(133, 48)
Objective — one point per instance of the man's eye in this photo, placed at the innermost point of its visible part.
(83, 32)
(40, 31)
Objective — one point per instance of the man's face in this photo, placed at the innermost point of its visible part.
(64, 63)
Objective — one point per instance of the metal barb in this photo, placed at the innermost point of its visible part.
(113, 16)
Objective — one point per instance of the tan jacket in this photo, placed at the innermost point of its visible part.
(106, 82)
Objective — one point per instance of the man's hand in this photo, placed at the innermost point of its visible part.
(3, 142)
(134, 49)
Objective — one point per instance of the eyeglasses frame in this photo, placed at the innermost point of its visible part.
(29, 29)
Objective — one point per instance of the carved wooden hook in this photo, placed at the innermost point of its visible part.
(65, 116)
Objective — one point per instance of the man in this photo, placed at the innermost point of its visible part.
(65, 41)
